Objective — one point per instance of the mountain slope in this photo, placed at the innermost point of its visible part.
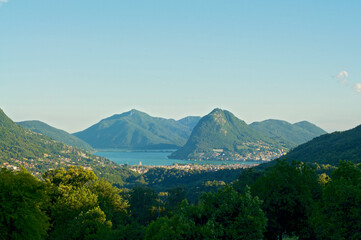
(39, 153)
(291, 134)
(190, 121)
(221, 133)
(313, 129)
(56, 134)
(330, 148)
(136, 130)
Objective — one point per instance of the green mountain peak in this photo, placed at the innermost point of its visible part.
(219, 131)
(291, 135)
(136, 130)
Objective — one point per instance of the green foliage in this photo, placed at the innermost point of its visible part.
(247, 178)
(74, 176)
(136, 130)
(110, 201)
(68, 206)
(195, 181)
(338, 215)
(291, 135)
(83, 207)
(323, 179)
(131, 231)
(330, 148)
(222, 215)
(143, 204)
(176, 227)
(90, 225)
(56, 134)
(288, 192)
(23, 203)
(175, 196)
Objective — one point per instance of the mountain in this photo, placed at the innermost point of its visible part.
(56, 134)
(313, 129)
(190, 121)
(291, 135)
(136, 130)
(38, 153)
(330, 148)
(220, 135)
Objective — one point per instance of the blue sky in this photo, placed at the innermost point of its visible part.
(72, 63)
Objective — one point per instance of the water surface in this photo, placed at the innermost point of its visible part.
(154, 158)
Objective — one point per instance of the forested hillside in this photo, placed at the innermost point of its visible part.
(220, 133)
(330, 148)
(137, 130)
(291, 135)
(56, 134)
(39, 153)
(190, 121)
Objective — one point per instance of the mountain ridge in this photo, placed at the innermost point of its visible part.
(21, 147)
(291, 134)
(220, 129)
(136, 130)
(330, 148)
(56, 134)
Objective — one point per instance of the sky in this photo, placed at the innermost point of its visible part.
(72, 63)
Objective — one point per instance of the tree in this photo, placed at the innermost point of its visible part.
(83, 207)
(246, 178)
(288, 192)
(143, 204)
(225, 214)
(110, 201)
(323, 179)
(23, 202)
(72, 176)
(175, 196)
(339, 212)
(90, 225)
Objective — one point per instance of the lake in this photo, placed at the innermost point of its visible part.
(154, 158)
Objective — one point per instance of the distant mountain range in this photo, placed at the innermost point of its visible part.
(222, 136)
(330, 148)
(56, 134)
(138, 130)
(291, 135)
(190, 121)
(38, 153)
(217, 136)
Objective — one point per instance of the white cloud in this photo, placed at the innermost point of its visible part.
(342, 75)
(357, 87)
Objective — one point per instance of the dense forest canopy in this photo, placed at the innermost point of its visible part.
(286, 200)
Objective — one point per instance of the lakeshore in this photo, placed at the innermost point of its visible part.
(160, 159)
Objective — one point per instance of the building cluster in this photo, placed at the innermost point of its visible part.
(252, 151)
(191, 167)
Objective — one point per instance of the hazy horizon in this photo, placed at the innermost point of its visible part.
(72, 63)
